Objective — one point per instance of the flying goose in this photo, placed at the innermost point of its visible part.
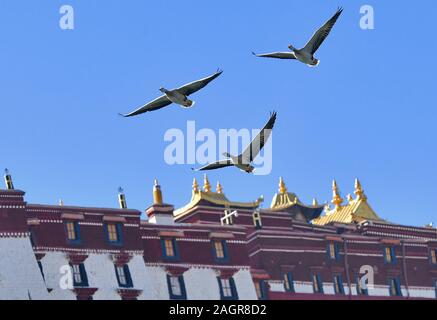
(178, 96)
(244, 160)
(306, 54)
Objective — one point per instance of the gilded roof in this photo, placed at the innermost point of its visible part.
(216, 198)
(355, 211)
(284, 200)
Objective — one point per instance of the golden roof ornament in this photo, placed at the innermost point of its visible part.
(359, 192)
(337, 200)
(219, 188)
(350, 199)
(315, 203)
(195, 186)
(157, 194)
(282, 187)
(206, 184)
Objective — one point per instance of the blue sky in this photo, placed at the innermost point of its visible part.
(367, 111)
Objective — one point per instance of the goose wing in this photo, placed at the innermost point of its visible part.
(276, 55)
(260, 140)
(156, 104)
(195, 86)
(316, 41)
(216, 165)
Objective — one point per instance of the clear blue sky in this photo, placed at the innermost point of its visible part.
(368, 111)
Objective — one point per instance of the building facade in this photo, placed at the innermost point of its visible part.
(212, 249)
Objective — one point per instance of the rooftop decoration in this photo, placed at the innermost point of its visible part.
(218, 198)
(355, 211)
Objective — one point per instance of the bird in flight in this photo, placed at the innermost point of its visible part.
(178, 96)
(244, 160)
(306, 54)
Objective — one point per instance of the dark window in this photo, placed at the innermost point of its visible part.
(389, 255)
(362, 286)
(72, 230)
(114, 233)
(333, 251)
(123, 276)
(395, 287)
(338, 284)
(80, 278)
(317, 283)
(169, 248)
(176, 287)
(288, 282)
(433, 256)
(435, 288)
(228, 291)
(220, 250)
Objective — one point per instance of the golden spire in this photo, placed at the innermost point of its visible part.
(282, 187)
(195, 186)
(359, 192)
(315, 203)
(350, 199)
(157, 194)
(337, 200)
(219, 187)
(206, 184)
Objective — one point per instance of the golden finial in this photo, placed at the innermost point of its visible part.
(350, 199)
(282, 187)
(359, 192)
(337, 200)
(157, 194)
(315, 203)
(219, 187)
(195, 186)
(206, 184)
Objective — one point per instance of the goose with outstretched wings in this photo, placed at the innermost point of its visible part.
(306, 54)
(178, 96)
(244, 160)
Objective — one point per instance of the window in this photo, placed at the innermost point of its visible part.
(72, 230)
(361, 287)
(288, 282)
(80, 278)
(169, 249)
(261, 290)
(389, 255)
(113, 233)
(333, 252)
(317, 283)
(433, 256)
(228, 291)
(435, 288)
(123, 276)
(338, 284)
(220, 250)
(395, 287)
(176, 287)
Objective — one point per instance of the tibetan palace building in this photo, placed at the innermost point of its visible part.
(212, 248)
